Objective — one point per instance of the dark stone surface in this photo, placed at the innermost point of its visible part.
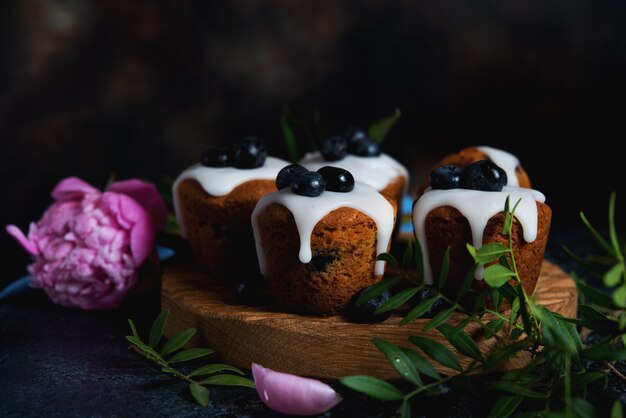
(66, 362)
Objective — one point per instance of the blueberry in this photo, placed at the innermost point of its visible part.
(365, 147)
(217, 157)
(428, 293)
(334, 148)
(309, 184)
(354, 135)
(251, 152)
(286, 175)
(364, 313)
(337, 179)
(484, 175)
(446, 177)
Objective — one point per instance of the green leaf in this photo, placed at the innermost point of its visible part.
(497, 275)
(496, 298)
(156, 332)
(419, 256)
(377, 289)
(290, 136)
(553, 331)
(492, 328)
(617, 411)
(583, 408)
(421, 363)
(391, 260)
(437, 351)
(379, 129)
(514, 311)
(605, 351)
(589, 267)
(490, 252)
(199, 393)
(507, 224)
(599, 239)
(505, 406)
(594, 295)
(505, 352)
(612, 229)
(403, 364)
(461, 341)
(405, 409)
(214, 368)
(397, 300)
(373, 387)
(515, 388)
(190, 354)
(407, 257)
(589, 312)
(467, 283)
(614, 276)
(619, 296)
(445, 268)
(177, 341)
(582, 380)
(439, 319)
(141, 345)
(133, 329)
(228, 380)
(419, 310)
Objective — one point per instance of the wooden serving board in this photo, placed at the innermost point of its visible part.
(322, 347)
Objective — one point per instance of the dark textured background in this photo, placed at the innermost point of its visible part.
(139, 88)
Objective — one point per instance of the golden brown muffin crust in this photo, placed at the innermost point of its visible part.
(219, 228)
(446, 226)
(343, 244)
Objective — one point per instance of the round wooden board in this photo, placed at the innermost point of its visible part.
(322, 347)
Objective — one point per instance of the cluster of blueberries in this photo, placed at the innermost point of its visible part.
(313, 183)
(250, 152)
(482, 175)
(354, 141)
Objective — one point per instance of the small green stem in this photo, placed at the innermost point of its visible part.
(161, 362)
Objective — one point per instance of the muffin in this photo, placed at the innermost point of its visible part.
(516, 174)
(456, 216)
(317, 250)
(360, 155)
(213, 202)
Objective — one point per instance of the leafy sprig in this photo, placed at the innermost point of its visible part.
(556, 375)
(170, 353)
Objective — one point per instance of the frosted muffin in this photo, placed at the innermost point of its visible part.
(214, 200)
(456, 216)
(317, 250)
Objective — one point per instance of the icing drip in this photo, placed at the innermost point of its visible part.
(478, 207)
(506, 161)
(308, 211)
(219, 181)
(377, 172)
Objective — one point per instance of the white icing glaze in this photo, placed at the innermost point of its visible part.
(506, 161)
(219, 181)
(308, 211)
(478, 207)
(377, 172)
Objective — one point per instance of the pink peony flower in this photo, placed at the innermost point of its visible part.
(89, 245)
(291, 394)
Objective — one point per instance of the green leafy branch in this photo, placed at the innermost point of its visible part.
(555, 375)
(169, 354)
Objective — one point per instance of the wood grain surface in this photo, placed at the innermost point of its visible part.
(322, 347)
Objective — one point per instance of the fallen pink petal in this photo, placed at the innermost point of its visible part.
(291, 394)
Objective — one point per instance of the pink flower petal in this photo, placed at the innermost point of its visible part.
(21, 238)
(70, 186)
(132, 214)
(291, 394)
(146, 195)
